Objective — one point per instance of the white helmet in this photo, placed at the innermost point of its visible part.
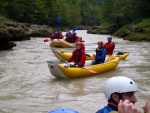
(119, 85)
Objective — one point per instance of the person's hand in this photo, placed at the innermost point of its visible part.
(94, 55)
(76, 65)
(147, 107)
(127, 107)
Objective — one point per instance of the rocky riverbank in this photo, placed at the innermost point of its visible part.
(136, 31)
(13, 31)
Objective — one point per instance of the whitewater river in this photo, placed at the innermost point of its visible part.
(27, 86)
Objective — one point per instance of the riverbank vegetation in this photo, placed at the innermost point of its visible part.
(136, 31)
(75, 12)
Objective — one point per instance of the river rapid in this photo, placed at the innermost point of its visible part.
(27, 86)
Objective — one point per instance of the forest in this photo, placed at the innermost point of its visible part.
(75, 12)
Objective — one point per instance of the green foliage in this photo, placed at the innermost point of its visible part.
(138, 37)
(123, 12)
(144, 23)
(10, 23)
(69, 13)
(124, 31)
(106, 25)
(27, 11)
(75, 12)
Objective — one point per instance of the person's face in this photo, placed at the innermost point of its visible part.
(125, 96)
(80, 39)
(67, 35)
(129, 96)
(108, 39)
(78, 46)
(99, 46)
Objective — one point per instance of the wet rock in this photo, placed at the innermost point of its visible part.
(40, 31)
(5, 44)
(97, 30)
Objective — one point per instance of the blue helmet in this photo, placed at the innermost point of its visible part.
(55, 32)
(68, 33)
(109, 37)
(63, 110)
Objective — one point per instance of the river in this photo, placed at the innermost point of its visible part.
(27, 86)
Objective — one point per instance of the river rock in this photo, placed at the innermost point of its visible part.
(97, 30)
(14, 31)
(40, 31)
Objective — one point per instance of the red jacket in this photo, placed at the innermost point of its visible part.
(54, 36)
(78, 56)
(74, 38)
(110, 46)
(60, 36)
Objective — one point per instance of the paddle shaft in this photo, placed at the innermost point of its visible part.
(89, 70)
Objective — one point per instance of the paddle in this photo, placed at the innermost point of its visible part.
(89, 70)
(46, 40)
(74, 29)
(88, 55)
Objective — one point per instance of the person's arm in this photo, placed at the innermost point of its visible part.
(83, 58)
(147, 107)
(51, 37)
(72, 57)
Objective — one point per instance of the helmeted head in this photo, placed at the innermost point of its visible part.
(63, 110)
(68, 33)
(109, 38)
(100, 42)
(55, 33)
(119, 85)
(74, 33)
(79, 45)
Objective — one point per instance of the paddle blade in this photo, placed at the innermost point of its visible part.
(46, 40)
(58, 19)
(87, 55)
(92, 71)
(74, 29)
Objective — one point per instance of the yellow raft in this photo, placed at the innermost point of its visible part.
(64, 56)
(65, 71)
(61, 43)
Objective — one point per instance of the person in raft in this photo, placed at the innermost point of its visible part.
(74, 37)
(54, 36)
(68, 37)
(78, 56)
(100, 54)
(110, 46)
